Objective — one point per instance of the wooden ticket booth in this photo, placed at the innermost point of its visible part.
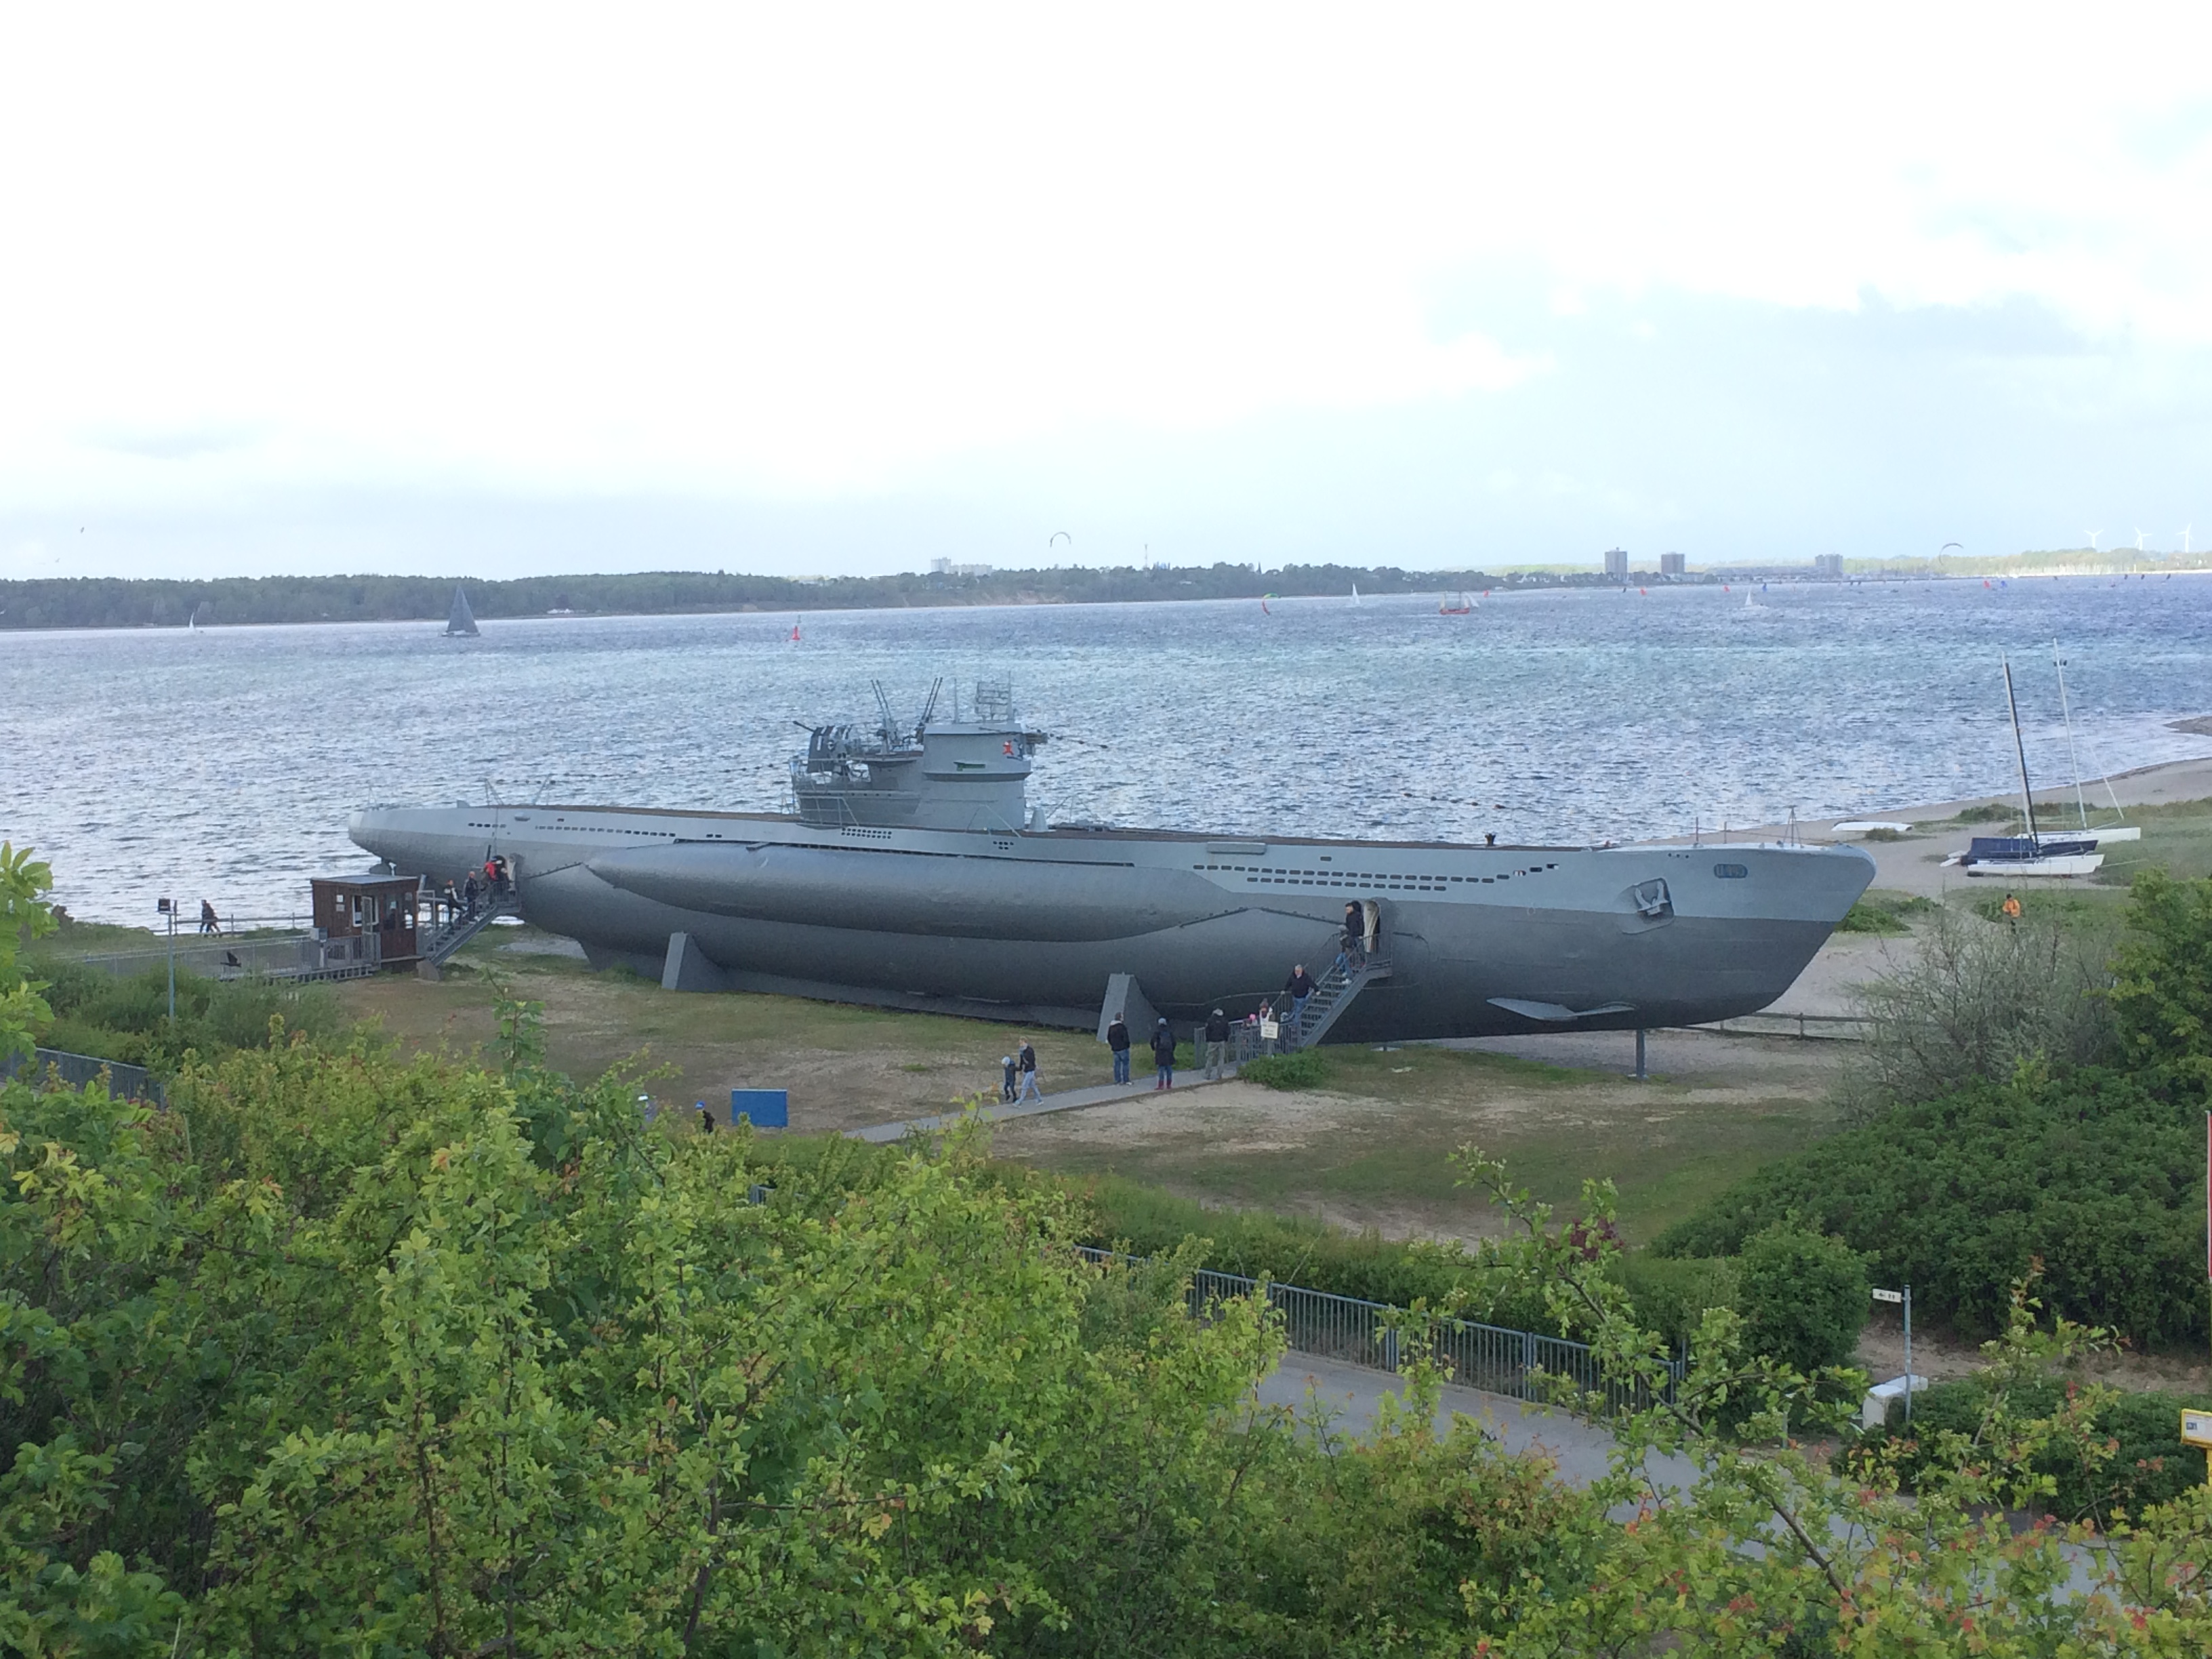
(371, 920)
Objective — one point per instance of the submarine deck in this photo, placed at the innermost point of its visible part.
(1065, 831)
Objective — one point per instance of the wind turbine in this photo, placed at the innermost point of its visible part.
(2185, 529)
(2139, 536)
(2092, 535)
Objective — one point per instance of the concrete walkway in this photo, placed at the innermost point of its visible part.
(1352, 1393)
(1067, 1100)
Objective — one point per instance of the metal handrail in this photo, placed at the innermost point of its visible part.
(1491, 1357)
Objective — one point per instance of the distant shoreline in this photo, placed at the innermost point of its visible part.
(83, 604)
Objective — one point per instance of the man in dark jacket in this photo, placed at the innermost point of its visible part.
(1300, 986)
(1163, 1055)
(1217, 1045)
(1355, 930)
(1117, 1039)
(1026, 1059)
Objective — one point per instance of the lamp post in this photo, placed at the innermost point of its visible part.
(169, 907)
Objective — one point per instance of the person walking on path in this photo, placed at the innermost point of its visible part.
(1300, 986)
(1007, 1072)
(1027, 1060)
(210, 923)
(1217, 1045)
(1117, 1039)
(1163, 1047)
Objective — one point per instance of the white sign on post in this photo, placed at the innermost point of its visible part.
(1889, 1296)
(2196, 1429)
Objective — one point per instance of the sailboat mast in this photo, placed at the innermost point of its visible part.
(2027, 795)
(2081, 803)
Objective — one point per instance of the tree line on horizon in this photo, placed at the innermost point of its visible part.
(162, 602)
(230, 601)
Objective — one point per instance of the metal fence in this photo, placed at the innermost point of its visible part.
(1816, 1028)
(298, 958)
(1521, 1365)
(124, 1081)
(214, 958)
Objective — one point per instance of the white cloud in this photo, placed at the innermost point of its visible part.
(797, 251)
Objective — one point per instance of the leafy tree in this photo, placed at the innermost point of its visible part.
(1973, 1003)
(23, 1012)
(1741, 1543)
(2161, 988)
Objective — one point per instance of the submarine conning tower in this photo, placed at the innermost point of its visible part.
(969, 774)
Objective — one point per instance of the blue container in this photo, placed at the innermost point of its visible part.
(769, 1108)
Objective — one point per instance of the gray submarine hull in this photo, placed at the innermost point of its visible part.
(1030, 923)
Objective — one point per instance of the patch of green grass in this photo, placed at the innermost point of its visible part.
(1419, 1071)
(2069, 906)
(2176, 838)
(1880, 911)
(1299, 1071)
(1384, 1156)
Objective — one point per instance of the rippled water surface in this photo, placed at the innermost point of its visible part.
(223, 763)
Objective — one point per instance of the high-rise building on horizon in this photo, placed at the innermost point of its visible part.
(1616, 564)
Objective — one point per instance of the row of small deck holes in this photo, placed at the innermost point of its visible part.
(1425, 883)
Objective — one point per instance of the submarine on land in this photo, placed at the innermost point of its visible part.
(911, 872)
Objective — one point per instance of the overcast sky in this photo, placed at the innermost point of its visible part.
(822, 289)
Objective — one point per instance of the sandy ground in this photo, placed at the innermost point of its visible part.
(1915, 864)
(1371, 1151)
(1941, 1356)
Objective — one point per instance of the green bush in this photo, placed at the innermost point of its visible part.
(2161, 992)
(1302, 1070)
(2099, 1175)
(2148, 1463)
(1803, 1297)
(1669, 1296)
(126, 1017)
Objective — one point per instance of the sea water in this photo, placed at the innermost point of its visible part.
(221, 764)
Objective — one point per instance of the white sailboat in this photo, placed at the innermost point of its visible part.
(2034, 854)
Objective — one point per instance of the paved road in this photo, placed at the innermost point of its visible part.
(1352, 1393)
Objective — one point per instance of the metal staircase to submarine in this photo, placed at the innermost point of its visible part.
(1333, 994)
